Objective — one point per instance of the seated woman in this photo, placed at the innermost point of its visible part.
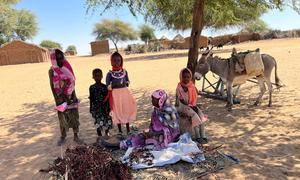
(164, 126)
(187, 93)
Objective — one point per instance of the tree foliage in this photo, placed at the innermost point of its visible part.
(50, 44)
(255, 26)
(72, 48)
(26, 26)
(115, 30)
(186, 14)
(218, 14)
(16, 24)
(146, 33)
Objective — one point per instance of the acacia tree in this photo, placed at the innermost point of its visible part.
(115, 30)
(146, 33)
(195, 14)
(26, 26)
(16, 24)
(50, 44)
(72, 48)
(255, 26)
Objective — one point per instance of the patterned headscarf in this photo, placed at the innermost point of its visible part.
(161, 95)
(64, 74)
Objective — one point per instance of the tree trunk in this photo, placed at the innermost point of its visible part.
(197, 25)
(116, 46)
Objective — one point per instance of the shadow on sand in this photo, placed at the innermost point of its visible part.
(31, 137)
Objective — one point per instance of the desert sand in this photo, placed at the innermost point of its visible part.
(266, 140)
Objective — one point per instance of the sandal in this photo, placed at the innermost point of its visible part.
(120, 134)
(202, 140)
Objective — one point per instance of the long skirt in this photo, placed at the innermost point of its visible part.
(68, 119)
(124, 106)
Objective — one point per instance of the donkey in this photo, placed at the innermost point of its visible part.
(225, 69)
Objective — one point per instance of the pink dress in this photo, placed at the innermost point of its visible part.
(124, 108)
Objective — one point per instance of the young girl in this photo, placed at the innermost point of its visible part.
(186, 93)
(164, 119)
(99, 105)
(122, 103)
(164, 126)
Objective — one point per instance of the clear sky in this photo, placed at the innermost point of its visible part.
(66, 22)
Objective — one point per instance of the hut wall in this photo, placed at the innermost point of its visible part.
(100, 47)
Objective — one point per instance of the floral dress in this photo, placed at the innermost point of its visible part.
(99, 106)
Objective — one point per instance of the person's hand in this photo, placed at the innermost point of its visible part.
(92, 113)
(75, 99)
(183, 102)
(67, 99)
(109, 87)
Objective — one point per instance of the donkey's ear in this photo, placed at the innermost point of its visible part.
(234, 52)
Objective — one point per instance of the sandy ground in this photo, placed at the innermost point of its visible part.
(266, 140)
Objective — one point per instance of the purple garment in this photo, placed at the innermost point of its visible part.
(118, 79)
(164, 129)
(136, 140)
(161, 125)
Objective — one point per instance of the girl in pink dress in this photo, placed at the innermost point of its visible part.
(122, 103)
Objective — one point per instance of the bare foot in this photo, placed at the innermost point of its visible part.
(61, 141)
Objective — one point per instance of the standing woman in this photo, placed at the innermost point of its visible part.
(122, 103)
(62, 83)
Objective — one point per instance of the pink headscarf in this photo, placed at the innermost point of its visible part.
(62, 75)
(162, 96)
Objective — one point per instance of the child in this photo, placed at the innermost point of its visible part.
(164, 126)
(99, 105)
(186, 93)
(164, 118)
(122, 103)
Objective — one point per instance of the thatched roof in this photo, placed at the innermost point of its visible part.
(163, 38)
(178, 37)
(22, 42)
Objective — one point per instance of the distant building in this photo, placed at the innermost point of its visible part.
(70, 53)
(99, 47)
(20, 52)
(178, 38)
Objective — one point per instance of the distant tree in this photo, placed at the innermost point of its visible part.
(26, 26)
(115, 30)
(255, 26)
(50, 44)
(195, 14)
(16, 24)
(72, 48)
(9, 2)
(7, 22)
(146, 33)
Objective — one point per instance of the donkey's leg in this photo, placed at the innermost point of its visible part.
(229, 95)
(262, 87)
(269, 84)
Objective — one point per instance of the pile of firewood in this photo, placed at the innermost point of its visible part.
(88, 162)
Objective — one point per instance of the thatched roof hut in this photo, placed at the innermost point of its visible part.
(20, 52)
(178, 38)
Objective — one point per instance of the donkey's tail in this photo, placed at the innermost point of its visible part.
(278, 82)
